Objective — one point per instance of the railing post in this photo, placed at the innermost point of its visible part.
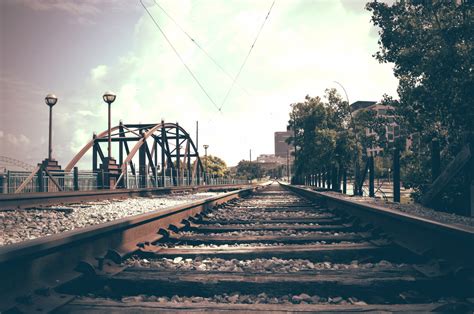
(329, 178)
(470, 181)
(344, 180)
(5, 182)
(76, 179)
(435, 160)
(335, 184)
(40, 180)
(355, 183)
(396, 175)
(371, 177)
(100, 179)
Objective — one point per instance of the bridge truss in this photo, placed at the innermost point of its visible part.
(163, 143)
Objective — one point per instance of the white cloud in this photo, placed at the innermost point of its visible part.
(304, 47)
(296, 55)
(98, 73)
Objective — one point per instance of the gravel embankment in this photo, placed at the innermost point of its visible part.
(258, 265)
(27, 224)
(413, 209)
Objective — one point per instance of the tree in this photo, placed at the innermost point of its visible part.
(215, 166)
(322, 133)
(249, 170)
(432, 49)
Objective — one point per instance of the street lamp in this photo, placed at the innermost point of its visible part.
(109, 98)
(50, 100)
(356, 163)
(205, 154)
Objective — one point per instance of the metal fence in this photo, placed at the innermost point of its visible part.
(10, 181)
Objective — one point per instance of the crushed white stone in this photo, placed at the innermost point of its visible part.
(26, 224)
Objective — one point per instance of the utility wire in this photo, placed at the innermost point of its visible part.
(246, 58)
(179, 56)
(197, 45)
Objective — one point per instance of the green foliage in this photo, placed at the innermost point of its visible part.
(215, 166)
(321, 133)
(249, 170)
(369, 120)
(432, 49)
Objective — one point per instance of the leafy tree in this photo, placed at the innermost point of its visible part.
(369, 120)
(215, 166)
(322, 133)
(432, 49)
(249, 170)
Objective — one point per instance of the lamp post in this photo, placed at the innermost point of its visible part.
(355, 186)
(50, 100)
(109, 98)
(205, 155)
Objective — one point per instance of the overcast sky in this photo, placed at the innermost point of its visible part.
(78, 49)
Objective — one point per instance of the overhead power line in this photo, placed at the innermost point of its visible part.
(197, 44)
(179, 56)
(246, 58)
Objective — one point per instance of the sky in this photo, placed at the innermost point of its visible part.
(78, 49)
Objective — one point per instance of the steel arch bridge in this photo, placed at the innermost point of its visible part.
(4, 160)
(165, 143)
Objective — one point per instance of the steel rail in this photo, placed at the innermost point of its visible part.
(441, 241)
(10, 201)
(45, 263)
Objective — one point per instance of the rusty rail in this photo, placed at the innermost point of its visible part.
(45, 198)
(441, 241)
(45, 263)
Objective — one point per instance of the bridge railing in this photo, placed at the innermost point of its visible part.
(10, 181)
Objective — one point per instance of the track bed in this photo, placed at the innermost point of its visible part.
(271, 252)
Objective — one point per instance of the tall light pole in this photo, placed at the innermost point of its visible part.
(356, 172)
(50, 100)
(109, 98)
(205, 155)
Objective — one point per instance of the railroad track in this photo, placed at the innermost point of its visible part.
(273, 251)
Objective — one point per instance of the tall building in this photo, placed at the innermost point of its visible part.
(281, 147)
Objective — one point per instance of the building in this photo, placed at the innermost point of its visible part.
(270, 158)
(392, 128)
(282, 148)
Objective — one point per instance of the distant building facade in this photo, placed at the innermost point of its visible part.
(271, 159)
(282, 148)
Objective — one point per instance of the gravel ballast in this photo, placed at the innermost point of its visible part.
(280, 233)
(27, 224)
(236, 298)
(258, 265)
(248, 245)
(413, 209)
